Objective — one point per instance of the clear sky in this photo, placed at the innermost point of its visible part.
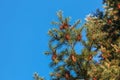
(23, 33)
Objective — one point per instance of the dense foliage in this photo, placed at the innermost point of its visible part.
(95, 58)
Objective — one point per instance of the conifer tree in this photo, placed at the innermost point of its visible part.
(102, 42)
(104, 29)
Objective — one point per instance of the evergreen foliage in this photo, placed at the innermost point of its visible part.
(103, 42)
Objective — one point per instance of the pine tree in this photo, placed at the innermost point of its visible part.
(65, 60)
(105, 31)
(102, 30)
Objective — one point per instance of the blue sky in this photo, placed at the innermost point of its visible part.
(23, 33)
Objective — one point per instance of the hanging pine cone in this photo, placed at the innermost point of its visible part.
(54, 56)
(118, 5)
(78, 37)
(109, 21)
(90, 57)
(64, 26)
(67, 36)
(73, 58)
(61, 27)
(67, 75)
